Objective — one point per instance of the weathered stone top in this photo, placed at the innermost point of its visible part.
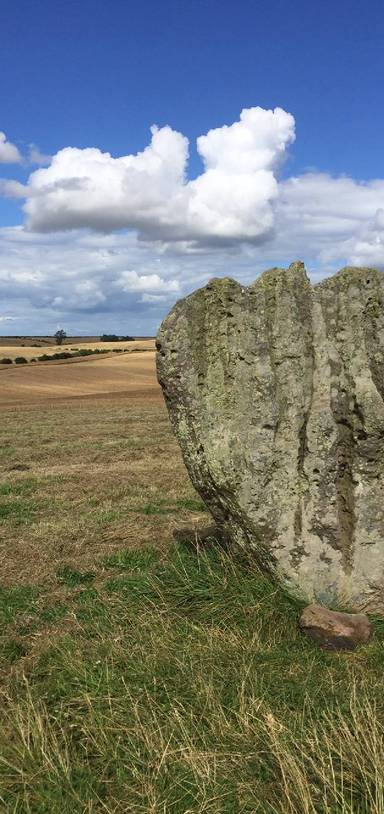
(275, 392)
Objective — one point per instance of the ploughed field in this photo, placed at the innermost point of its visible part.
(143, 669)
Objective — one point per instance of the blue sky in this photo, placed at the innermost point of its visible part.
(93, 244)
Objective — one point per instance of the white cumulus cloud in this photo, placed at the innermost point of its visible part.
(231, 201)
(9, 153)
(89, 188)
(237, 200)
(132, 281)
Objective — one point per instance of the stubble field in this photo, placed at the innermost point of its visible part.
(141, 668)
(124, 375)
(34, 347)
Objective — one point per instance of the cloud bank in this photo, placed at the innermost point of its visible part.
(106, 239)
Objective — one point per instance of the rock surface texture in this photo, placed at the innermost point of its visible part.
(275, 393)
(335, 631)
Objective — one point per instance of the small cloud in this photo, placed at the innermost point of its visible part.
(132, 281)
(12, 189)
(35, 156)
(154, 298)
(86, 294)
(9, 153)
(7, 319)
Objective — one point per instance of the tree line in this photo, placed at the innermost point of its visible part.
(60, 335)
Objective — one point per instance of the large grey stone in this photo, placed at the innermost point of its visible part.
(275, 393)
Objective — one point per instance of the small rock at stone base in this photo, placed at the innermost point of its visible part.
(333, 630)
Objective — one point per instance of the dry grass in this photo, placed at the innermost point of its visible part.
(141, 676)
(92, 477)
(185, 688)
(329, 768)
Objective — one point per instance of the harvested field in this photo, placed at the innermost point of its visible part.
(118, 375)
(30, 349)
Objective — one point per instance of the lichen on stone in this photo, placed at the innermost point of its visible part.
(275, 392)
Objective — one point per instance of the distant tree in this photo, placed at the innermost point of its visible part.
(60, 335)
(115, 338)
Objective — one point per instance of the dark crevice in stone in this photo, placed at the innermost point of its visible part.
(343, 454)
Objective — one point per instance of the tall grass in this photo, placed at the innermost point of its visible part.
(184, 687)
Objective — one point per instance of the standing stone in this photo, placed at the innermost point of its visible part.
(275, 393)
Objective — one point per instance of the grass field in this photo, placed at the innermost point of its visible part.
(141, 668)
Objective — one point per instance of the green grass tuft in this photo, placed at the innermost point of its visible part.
(132, 559)
(26, 486)
(16, 507)
(54, 613)
(17, 601)
(69, 576)
(12, 650)
(166, 507)
(192, 505)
